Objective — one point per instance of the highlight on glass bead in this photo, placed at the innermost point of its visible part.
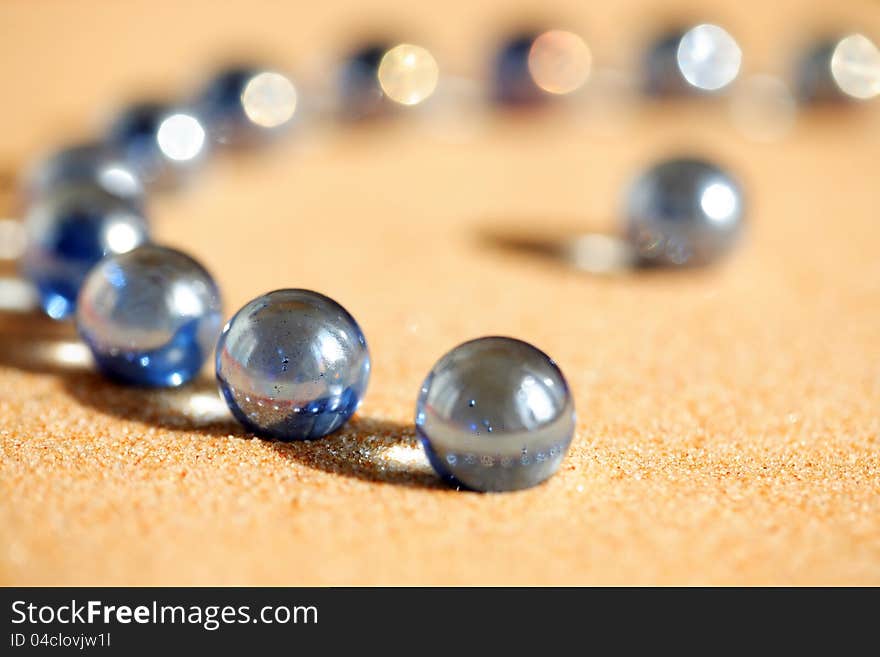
(86, 164)
(702, 59)
(292, 365)
(244, 104)
(559, 62)
(495, 414)
(151, 316)
(683, 211)
(68, 231)
(855, 67)
(708, 57)
(408, 74)
(161, 144)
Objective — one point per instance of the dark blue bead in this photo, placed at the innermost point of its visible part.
(68, 231)
(661, 73)
(360, 94)
(151, 316)
(512, 82)
(495, 414)
(86, 164)
(292, 365)
(220, 106)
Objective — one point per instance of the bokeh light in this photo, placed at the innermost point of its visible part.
(763, 108)
(408, 74)
(708, 57)
(181, 137)
(855, 66)
(559, 61)
(269, 99)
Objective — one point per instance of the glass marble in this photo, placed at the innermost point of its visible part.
(701, 59)
(246, 104)
(512, 81)
(495, 414)
(67, 232)
(94, 164)
(360, 94)
(835, 70)
(159, 143)
(683, 212)
(292, 365)
(151, 317)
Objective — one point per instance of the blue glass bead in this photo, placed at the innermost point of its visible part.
(150, 316)
(158, 142)
(360, 94)
(86, 164)
(512, 82)
(68, 231)
(703, 59)
(495, 414)
(814, 82)
(292, 365)
(684, 212)
(662, 75)
(244, 105)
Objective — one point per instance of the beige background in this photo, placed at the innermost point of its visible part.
(728, 419)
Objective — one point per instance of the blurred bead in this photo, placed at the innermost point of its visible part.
(292, 365)
(683, 212)
(68, 231)
(150, 316)
(512, 82)
(835, 70)
(495, 414)
(89, 164)
(408, 74)
(245, 105)
(160, 143)
(360, 94)
(702, 59)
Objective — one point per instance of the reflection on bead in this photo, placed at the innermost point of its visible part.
(360, 94)
(68, 231)
(86, 164)
(814, 83)
(512, 82)
(292, 365)
(683, 212)
(158, 142)
(708, 57)
(702, 59)
(495, 414)
(246, 104)
(559, 62)
(408, 74)
(838, 70)
(150, 316)
(855, 67)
